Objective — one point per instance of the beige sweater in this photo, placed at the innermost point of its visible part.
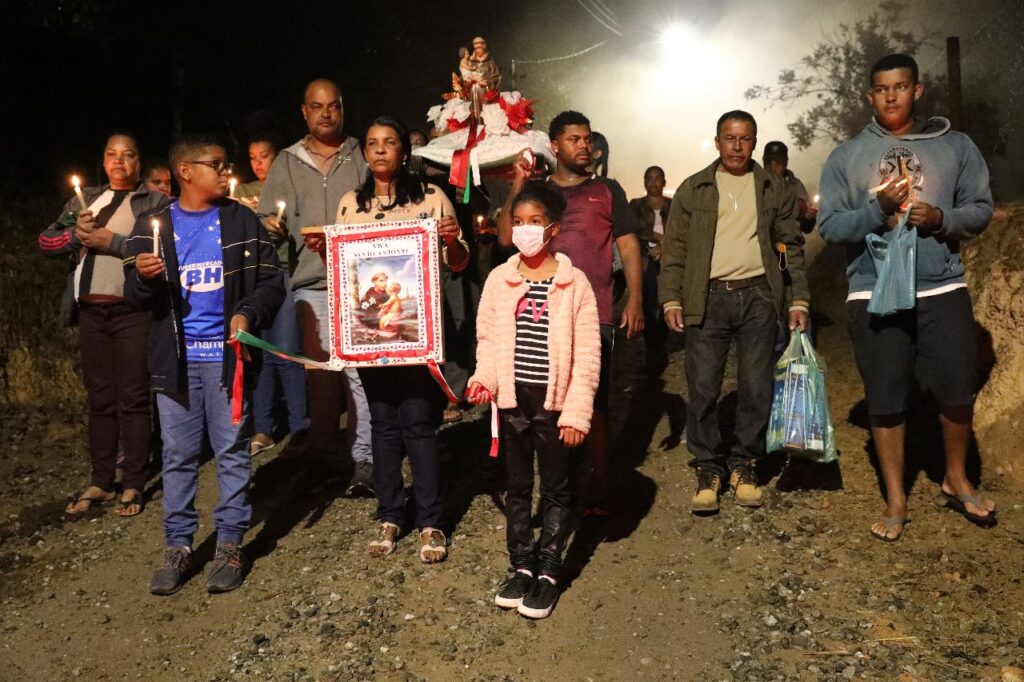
(574, 341)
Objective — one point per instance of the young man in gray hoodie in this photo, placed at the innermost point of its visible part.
(311, 176)
(902, 163)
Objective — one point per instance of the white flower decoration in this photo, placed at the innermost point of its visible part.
(495, 120)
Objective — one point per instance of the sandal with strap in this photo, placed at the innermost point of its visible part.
(93, 503)
(134, 500)
(958, 503)
(435, 546)
(890, 523)
(385, 543)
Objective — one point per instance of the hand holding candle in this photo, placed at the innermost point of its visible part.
(156, 237)
(78, 191)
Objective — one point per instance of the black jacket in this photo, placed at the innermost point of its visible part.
(253, 286)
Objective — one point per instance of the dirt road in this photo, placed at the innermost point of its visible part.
(795, 591)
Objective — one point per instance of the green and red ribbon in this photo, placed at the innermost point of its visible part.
(256, 342)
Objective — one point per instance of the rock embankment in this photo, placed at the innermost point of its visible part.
(995, 271)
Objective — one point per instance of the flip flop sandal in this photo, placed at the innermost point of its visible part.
(958, 503)
(93, 504)
(123, 505)
(385, 544)
(433, 541)
(891, 522)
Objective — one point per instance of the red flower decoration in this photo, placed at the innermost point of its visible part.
(520, 114)
(454, 124)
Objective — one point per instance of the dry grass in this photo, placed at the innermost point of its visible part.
(38, 354)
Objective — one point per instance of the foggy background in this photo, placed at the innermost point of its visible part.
(75, 70)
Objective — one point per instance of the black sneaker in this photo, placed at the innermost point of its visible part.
(541, 600)
(362, 480)
(229, 568)
(171, 575)
(512, 592)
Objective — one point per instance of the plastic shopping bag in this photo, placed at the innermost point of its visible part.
(800, 420)
(895, 269)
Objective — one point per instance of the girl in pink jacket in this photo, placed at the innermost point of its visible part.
(539, 358)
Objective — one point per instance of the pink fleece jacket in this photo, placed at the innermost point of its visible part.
(574, 341)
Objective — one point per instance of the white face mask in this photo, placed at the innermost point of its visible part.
(529, 239)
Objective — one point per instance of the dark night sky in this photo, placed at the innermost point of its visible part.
(72, 70)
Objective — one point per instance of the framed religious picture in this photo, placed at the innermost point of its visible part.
(384, 288)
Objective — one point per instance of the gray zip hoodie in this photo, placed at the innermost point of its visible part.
(311, 199)
(947, 171)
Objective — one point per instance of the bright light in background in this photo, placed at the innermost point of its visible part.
(684, 66)
(678, 46)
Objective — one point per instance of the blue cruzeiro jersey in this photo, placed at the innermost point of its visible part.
(201, 273)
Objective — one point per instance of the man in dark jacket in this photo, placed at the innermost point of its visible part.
(216, 274)
(721, 279)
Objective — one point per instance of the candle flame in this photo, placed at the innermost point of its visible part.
(74, 181)
(155, 223)
(281, 205)
(879, 188)
(816, 197)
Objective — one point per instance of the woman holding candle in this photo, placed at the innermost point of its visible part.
(285, 331)
(405, 401)
(91, 233)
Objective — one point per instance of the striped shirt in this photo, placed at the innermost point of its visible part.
(531, 357)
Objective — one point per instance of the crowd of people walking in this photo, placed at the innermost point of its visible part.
(161, 282)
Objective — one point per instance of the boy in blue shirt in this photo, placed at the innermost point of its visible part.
(216, 274)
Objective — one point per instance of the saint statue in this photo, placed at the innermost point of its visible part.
(479, 73)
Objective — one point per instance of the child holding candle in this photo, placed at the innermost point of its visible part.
(538, 358)
(217, 274)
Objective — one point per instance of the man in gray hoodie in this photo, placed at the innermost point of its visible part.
(901, 163)
(311, 176)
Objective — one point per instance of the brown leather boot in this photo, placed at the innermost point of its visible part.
(745, 486)
(705, 499)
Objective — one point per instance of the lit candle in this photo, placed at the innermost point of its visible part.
(280, 210)
(879, 188)
(816, 197)
(156, 237)
(78, 191)
(479, 223)
(232, 183)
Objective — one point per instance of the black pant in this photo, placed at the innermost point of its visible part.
(405, 413)
(748, 317)
(114, 345)
(529, 429)
(655, 331)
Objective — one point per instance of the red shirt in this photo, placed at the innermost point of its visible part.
(596, 214)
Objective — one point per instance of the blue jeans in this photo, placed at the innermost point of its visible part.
(748, 317)
(284, 334)
(206, 410)
(329, 391)
(406, 405)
